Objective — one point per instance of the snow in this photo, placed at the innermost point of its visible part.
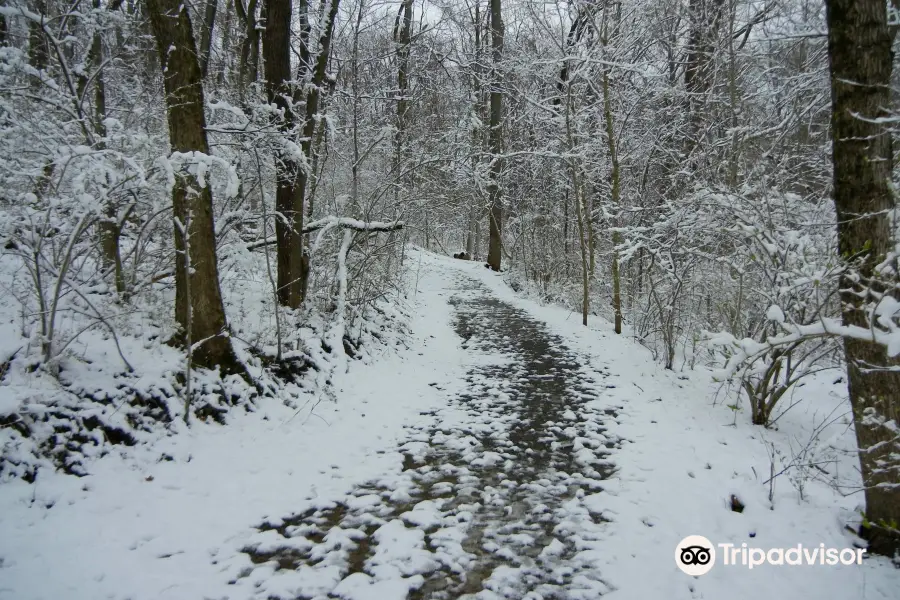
(681, 460)
(104, 535)
(141, 526)
(775, 314)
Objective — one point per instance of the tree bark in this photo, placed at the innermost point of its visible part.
(705, 16)
(191, 202)
(288, 218)
(495, 140)
(614, 182)
(403, 38)
(38, 50)
(209, 22)
(249, 64)
(4, 28)
(109, 234)
(859, 49)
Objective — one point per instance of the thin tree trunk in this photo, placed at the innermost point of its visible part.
(576, 174)
(354, 78)
(226, 64)
(314, 171)
(38, 51)
(4, 28)
(859, 48)
(474, 229)
(209, 22)
(314, 97)
(191, 202)
(402, 37)
(470, 233)
(249, 63)
(108, 226)
(614, 177)
(585, 267)
(496, 140)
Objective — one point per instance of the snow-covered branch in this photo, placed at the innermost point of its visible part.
(339, 222)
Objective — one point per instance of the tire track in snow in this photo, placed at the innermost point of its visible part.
(489, 501)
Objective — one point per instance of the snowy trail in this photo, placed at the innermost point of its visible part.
(484, 503)
(507, 452)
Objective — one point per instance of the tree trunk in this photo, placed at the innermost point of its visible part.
(403, 38)
(209, 21)
(470, 233)
(288, 218)
(227, 64)
(614, 176)
(108, 226)
(496, 140)
(38, 50)
(355, 210)
(476, 207)
(249, 64)
(191, 202)
(699, 70)
(859, 48)
(315, 93)
(4, 28)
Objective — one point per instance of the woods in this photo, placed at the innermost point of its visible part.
(230, 188)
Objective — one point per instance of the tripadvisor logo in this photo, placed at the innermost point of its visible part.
(696, 555)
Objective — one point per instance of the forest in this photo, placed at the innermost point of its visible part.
(210, 207)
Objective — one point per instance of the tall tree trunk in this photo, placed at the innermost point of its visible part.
(38, 50)
(315, 90)
(227, 64)
(402, 37)
(354, 83)
(288, 217)
(475, 208)
(576, 173)
(496, 140)
(109, 226)
(699, 71)
(191, 202)
(614, 181)
(206, 38)
(859, 48)
(249, 63)
(4, 28)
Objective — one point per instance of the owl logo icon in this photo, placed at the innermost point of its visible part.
(695, 555)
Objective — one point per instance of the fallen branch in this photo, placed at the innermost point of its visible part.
(340, 222)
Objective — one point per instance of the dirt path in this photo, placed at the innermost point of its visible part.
(487, 502)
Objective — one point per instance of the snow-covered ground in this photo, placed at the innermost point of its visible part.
(144, 527)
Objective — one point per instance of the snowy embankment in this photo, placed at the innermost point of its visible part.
(143, 527)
